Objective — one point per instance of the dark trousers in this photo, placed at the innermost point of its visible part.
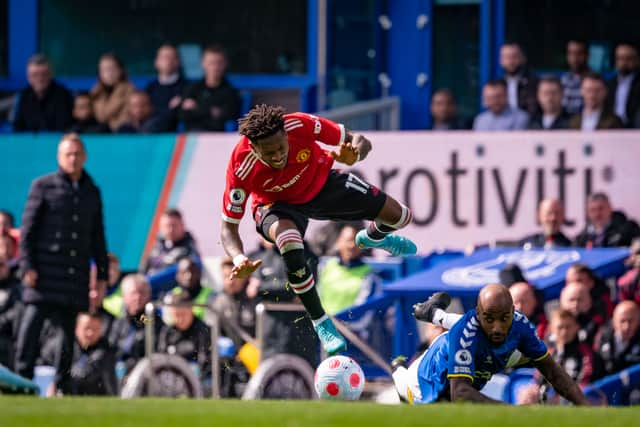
(63, 321)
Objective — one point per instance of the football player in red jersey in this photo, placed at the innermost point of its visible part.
(289, 176)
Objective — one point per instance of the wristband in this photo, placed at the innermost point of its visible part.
(239, 259)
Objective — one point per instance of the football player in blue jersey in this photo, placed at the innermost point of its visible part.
(478, 344)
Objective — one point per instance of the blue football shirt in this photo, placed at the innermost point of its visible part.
(465, 351)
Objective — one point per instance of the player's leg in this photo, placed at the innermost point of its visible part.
(288, 238)
(392, 217)
(433, 311)
(346, 196)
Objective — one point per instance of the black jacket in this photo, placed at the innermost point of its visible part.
(93, 370)
(633, 100)
(165, 254)
(193, 345)
(224, 96)
(620, 232)
(561, 122)
(539, 240)
(10, 313)
(52, 112)
(128, 339)
(62, 230)
(606, 347)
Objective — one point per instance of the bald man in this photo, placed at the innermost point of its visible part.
(619, 343)
(62, 230)
(551, 218)
(484, 341)
(576, 298)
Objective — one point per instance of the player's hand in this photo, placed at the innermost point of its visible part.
(30, 278)
(347, 153)
(245, 268)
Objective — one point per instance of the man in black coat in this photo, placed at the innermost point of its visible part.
(623, 90)
(606, 228)
(44, 105)
(551, 218)
(93, 371)
(619, 342)
(62, 230)
(10, 311)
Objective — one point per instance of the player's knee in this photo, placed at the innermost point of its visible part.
(403, 220)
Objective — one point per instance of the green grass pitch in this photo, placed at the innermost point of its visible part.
(109, 412)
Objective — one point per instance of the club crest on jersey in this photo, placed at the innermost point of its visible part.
(300, 273)
(303, 155)
(237, 196)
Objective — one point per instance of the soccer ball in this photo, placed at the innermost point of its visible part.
(339, 378)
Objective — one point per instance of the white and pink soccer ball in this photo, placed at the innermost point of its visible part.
(339, 378)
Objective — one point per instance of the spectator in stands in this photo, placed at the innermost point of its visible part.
(594, 114)
(347, 280)
(619, 342)
(62, 230)
(600, 293)
(522, 84)
(575, 298)
(6, 222)
(94, 363)
(623, 96)
(183, 334)
(140, 116)
(283, 331)
(606, 227)
(500, 116)
(444, 112)
(577, 59)
(209, 103)
(236, 305)
(551, 115)
(110, 94)
(8, 246)
(10, 311)
(44, 105)
(527, 302)
(84, 121)
(127, 333)
(7, 228)
(629, 283)
(189, 279)
(575, 356)
(166, 90)
(551, 218)
(323, 240)
(173, 243)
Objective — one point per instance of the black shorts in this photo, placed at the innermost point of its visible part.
(344, 197)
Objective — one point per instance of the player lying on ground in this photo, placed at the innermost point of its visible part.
(279, 163)
(482, 342)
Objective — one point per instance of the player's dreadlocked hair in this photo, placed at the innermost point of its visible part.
(261, 122)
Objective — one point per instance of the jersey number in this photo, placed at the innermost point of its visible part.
(357, 184)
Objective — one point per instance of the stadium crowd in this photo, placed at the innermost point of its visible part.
(593, 332)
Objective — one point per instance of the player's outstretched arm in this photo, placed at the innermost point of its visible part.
(561, 381)
(462, 391)
(232, 244)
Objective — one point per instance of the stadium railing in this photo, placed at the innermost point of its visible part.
(378, 114)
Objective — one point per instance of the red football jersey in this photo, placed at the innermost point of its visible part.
(307, 168)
